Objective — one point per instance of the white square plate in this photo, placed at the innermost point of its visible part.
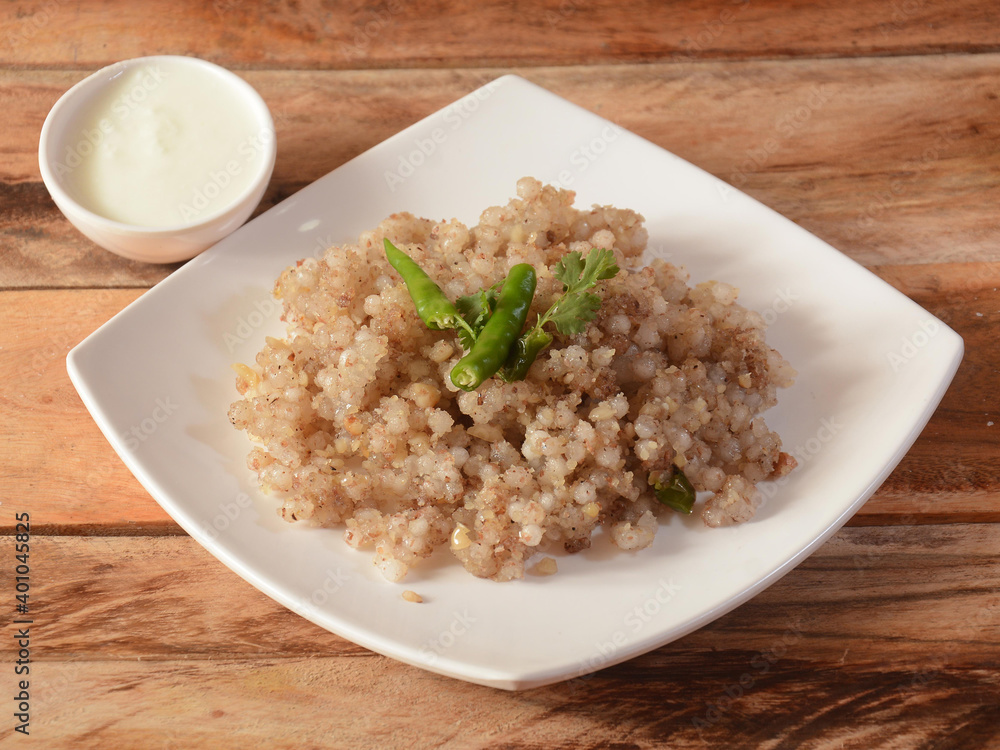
(872, 366)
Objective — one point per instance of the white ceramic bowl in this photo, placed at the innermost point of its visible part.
(168, 244)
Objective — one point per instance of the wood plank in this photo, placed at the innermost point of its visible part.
(890, 160)
(882, 634)
(54, 459)
(950, 473)
(395, 33)
(335, 703)
(879, 592)
(47, 436)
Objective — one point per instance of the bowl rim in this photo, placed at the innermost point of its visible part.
(93, 84)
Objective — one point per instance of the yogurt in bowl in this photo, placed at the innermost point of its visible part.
(157, 158)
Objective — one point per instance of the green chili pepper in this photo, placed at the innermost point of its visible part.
(524, 352)
(677, 493)
(433, 307)
(497, 338)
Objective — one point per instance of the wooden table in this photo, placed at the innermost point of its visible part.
(874, 125)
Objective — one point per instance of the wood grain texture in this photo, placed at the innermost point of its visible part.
(415, 33)
(851, 647)
(329, 702)
(911, 586)
(875, 126)
(56, 461)
(950, 474)
(863, 153)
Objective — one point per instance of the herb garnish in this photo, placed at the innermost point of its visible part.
(677, 493)
(473, 314)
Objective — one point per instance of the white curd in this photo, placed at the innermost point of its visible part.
(167, 144)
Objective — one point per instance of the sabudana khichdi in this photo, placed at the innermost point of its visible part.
(357, 423)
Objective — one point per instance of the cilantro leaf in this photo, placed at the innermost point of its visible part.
(600, 265)
(476, 310)
(474, 307)
(579, 274)
(569, 269)
(576, 307)
(466, 338)
(572, 313)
